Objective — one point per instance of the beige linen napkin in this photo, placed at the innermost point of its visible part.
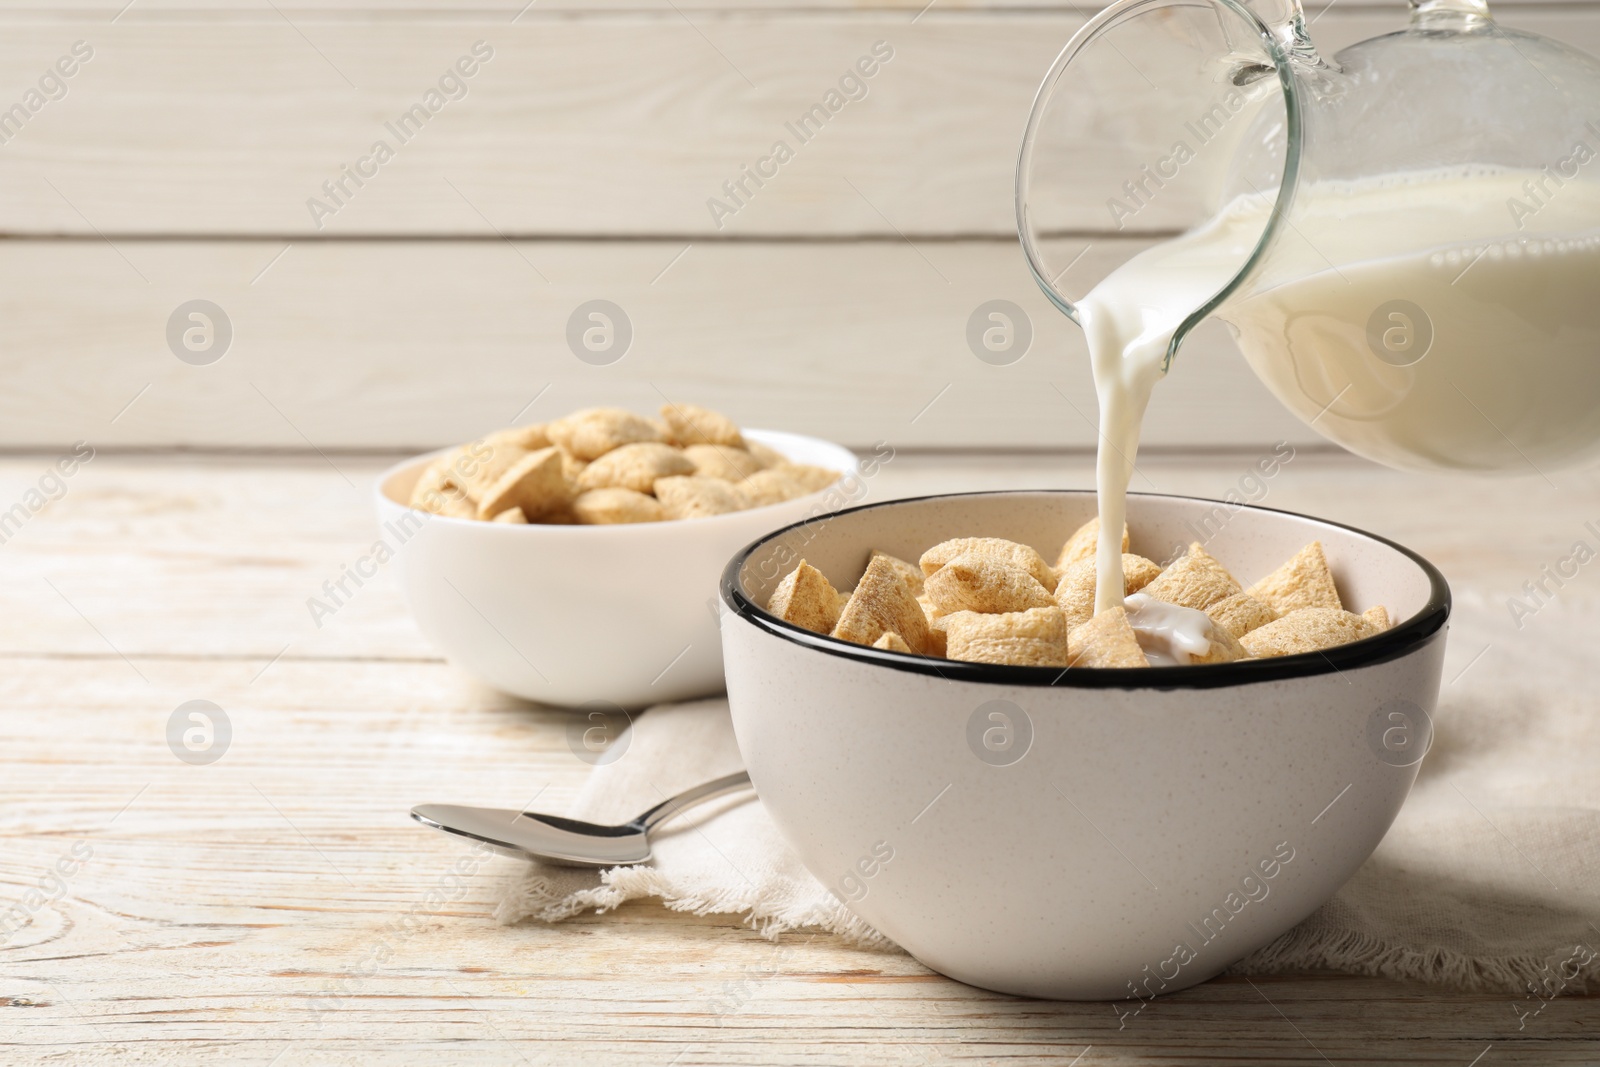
(1488, 880)
(726, 857)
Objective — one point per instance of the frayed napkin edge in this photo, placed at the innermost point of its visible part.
(1353, 952)
(532, 898)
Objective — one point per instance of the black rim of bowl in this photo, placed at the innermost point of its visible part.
(1393, 643)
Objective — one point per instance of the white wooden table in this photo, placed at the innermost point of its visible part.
(272, 907)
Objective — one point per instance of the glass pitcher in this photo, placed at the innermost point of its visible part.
(1412, 262)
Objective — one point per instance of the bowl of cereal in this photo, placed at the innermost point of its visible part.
(1040, 798)
(577, 561)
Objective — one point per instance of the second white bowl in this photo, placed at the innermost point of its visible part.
(567, 615)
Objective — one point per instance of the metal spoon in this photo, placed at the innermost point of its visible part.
(569, 842)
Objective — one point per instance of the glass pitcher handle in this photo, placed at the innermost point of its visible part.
(1287, 22)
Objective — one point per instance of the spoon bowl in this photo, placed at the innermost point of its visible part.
(569, 842)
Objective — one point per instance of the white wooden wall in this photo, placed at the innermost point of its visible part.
(434, 303)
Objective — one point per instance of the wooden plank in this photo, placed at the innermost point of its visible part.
(617, 124)
(213, 558)
(402, 344)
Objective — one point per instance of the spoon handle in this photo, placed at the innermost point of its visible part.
(691, 797)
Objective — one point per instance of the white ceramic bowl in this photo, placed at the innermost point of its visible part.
(1082, 834)
(566, 615)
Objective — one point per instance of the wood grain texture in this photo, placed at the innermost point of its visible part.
(840, 305)
(274, 907)
(613, 124)
(392, 345)
(213, 558)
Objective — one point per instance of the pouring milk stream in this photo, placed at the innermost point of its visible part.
(1417, 233)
